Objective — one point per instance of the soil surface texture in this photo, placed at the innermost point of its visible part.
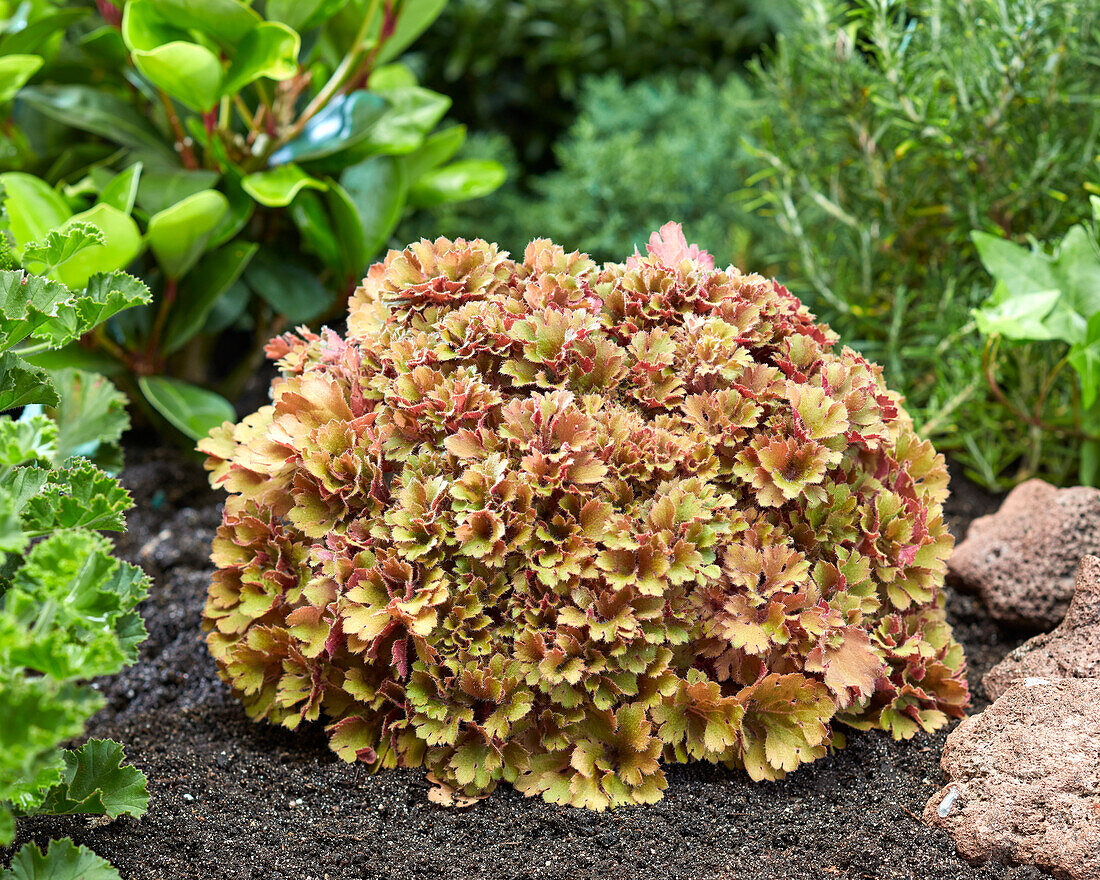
(235, 800)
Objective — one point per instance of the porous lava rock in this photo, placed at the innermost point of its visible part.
(1022, 559)
(1070, 651)
(1024, 779)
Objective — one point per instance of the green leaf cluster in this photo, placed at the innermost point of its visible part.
(67, 605)
(248, 163)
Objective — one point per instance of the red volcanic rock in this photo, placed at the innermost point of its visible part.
(1024, 779)
(1022, 559)
(1070, 651)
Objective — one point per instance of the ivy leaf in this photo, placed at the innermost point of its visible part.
(63, 860)
(97, 782)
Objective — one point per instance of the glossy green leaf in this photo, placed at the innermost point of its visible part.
(292, 290)
(192, 410)
(101, 113)
(229, 308)
(278, 187)
(105, 45)
(33, 207)
(349, 230)
(413, 112)
(241, 209)
(414, 18)
(343, 123)
(178, 235)
(436, 149)
(144, 28)
(63, 860)
(227, 21)
(121, 192)
(190, 73)
(377, 188)
(268, 50)
(215, 274)
(318, 231)
(36, 33)
(457, 182)
(160, 188)
(302, 14)
(391, 76)
(122, 242)
(15, 70)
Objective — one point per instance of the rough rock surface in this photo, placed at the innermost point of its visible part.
(1022, 559)
(1025, 779)
(1070, 651)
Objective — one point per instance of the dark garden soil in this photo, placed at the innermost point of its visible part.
(233, 799)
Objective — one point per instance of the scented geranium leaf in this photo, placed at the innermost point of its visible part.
(22, 385)
(28, 303)
(23, 483)
(76, 604)
(79, 495)
(12, 537)
(63, 860)
(96, 781)
(121, 242)
(91, 414)
(27, 440)
(61, 245)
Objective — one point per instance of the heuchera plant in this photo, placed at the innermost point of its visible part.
(554, 524)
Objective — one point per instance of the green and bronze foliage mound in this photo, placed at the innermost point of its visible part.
(556, 524)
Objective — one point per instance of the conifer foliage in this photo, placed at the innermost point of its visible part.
(555, 524)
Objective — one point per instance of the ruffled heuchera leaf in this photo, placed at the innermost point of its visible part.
(549, 524)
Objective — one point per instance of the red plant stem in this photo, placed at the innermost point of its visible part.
(171, 290)
(111, 13)
(183, 145)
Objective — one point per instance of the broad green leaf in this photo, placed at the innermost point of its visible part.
(377, 188)
(344, 122)
(160, 188)
(99, 112)
(414, 18)
(1076, 269)
(36, 33)
(178, 235)
(121, 192)
(215, 274)
(1084, 357)
(391, 76)
(227, 21)
(1021, 269)
(229, 308)
(241, 208)
(457, 182)
(302, 14)
(1017, 316)
(317, 228)
(97, 782)
(22, 384)
(121, 244)
(190, 73)
(33, 207)
(278, 187)
(413, 112)
(63, 860)
(144, 28)
(1088, 472)
(104, 297)
(15, 70)
(437, 149)
(193, 410)
(105, 46)
(349, 230)
(289, 288)
(268, 50)
(92, 412)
